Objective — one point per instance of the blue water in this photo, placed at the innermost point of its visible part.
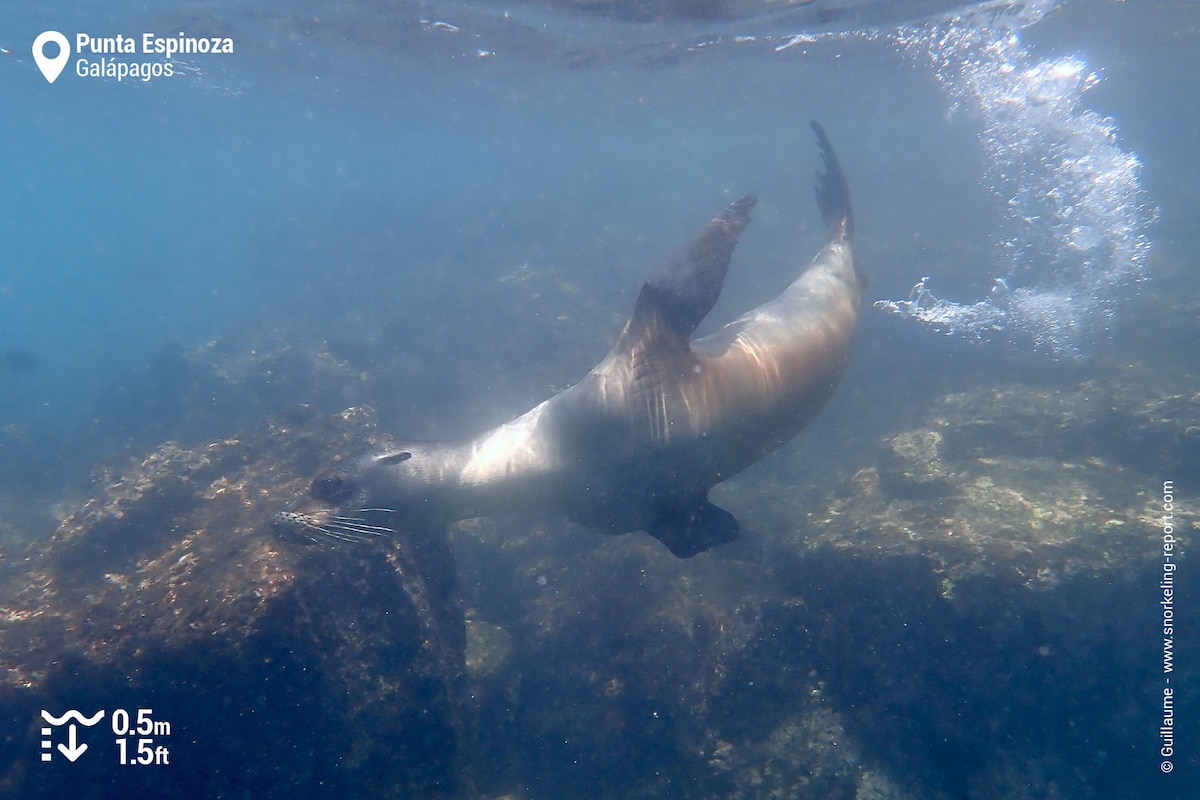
(480, 199)
(138, 213)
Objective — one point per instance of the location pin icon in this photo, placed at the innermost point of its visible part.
(51, 67)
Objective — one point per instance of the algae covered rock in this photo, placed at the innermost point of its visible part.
(268, 667)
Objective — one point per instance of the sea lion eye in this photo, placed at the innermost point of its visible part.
(333, 490)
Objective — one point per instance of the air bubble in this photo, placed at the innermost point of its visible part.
(1077, 217)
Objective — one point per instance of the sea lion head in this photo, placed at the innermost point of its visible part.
(375, 491)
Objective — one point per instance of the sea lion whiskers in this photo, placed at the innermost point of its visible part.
(360, 526)
(318, 534)
(323, 529)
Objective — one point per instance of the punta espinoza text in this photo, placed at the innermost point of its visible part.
(151, 44)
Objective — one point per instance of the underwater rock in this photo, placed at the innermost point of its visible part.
(973, 601)
(959, 612)
(280, 669)
(915, 468)
(634, 674)
(218, 390)
(963, 616)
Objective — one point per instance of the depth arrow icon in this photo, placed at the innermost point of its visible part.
(73, 749)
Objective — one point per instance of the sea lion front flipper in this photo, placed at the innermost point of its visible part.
(692, 527)
(676, 298)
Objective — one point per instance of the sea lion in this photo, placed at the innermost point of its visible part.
(636, 444)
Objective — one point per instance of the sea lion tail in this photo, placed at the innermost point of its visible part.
(833, 194)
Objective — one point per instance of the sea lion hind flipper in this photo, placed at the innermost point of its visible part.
(833, 193)
(688, 529)
(677, 297)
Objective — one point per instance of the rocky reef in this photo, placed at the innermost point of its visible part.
(971, 613)
(967, 609)
(278, 669)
